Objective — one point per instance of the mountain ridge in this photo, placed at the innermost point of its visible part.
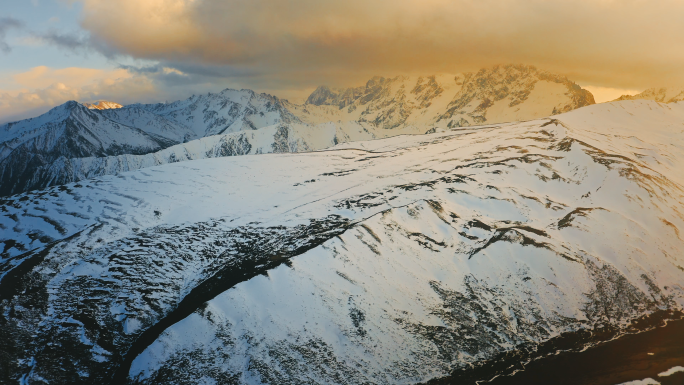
(658, 94)
(382, 108)
(469, 97)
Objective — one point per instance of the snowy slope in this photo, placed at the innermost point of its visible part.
(396, 261)
(151, 123)
(281, 138)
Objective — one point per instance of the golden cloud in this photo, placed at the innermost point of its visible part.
(41, 88)
(612, 43)
(43, 76)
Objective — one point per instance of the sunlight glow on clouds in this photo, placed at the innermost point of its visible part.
(41, 88)
(42, 76)
(618, 43)
(287, 48)
(607, 94)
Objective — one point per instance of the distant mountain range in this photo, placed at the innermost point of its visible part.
(77, 141)
(662, 95)
(493, 95)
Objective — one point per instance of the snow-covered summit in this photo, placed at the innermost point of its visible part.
(39, 152)
(102, 105)
(224, 112)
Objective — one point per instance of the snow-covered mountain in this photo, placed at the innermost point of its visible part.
(225, 123)
(225, 112)
(68, 131)
(102, 105)
(151, 123)
(492, 95)
(40, 152)
(389, 261)
(662, 95)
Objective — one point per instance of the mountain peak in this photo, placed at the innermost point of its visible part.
(501, 93)
(102, 105)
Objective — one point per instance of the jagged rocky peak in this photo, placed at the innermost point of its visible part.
(513, 92)
(343, 97)
(661, 95)
(324, 95)
(227, 111)
(517, 82)
(102, 105)
(491, 95)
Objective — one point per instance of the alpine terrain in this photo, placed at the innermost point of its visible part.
(73, 143)
(452, 256)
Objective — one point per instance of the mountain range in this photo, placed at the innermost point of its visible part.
(74, 141)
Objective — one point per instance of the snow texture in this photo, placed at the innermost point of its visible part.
(386, 261)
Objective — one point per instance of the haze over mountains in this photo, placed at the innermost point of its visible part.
(72, 142)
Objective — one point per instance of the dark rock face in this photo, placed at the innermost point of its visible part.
(280, 142)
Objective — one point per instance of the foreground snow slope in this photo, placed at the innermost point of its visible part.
(393, 262)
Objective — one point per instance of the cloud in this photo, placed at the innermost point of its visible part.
(35, 91)
(42, 88)
(69, 41)
(6, 24)
(616, 43)
(43, 76)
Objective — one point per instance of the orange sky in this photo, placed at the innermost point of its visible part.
(632, 44)
(289, 47)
